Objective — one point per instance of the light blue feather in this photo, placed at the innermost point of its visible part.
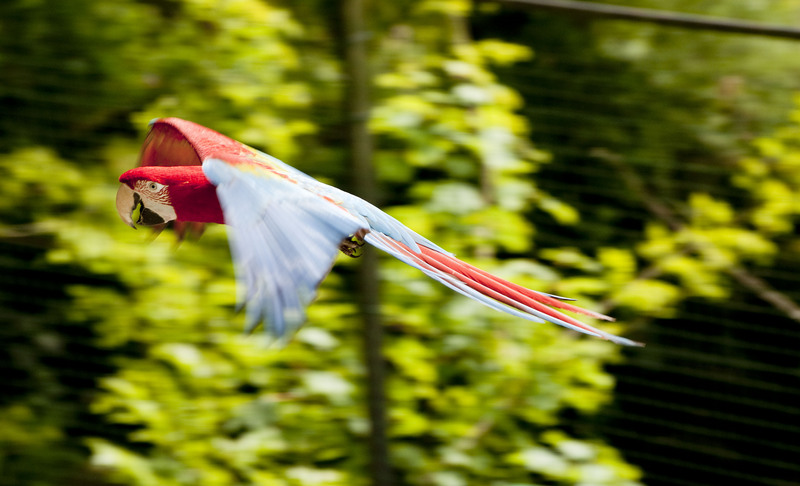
(283, 240)
(377, 219)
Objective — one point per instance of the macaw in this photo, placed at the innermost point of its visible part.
(286, 228)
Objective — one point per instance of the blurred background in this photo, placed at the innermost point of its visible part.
(651, 172)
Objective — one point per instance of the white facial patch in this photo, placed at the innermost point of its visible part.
(155, 197)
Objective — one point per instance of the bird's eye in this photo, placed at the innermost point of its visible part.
(153, 186)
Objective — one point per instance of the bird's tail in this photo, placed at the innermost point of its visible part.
(493, 291)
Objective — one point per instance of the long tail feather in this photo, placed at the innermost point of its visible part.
(492, 290)
(504, 286)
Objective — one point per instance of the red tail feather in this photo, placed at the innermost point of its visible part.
(489, 289)
(501, 290)
(477, 273)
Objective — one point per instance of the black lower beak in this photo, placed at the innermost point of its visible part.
(148, 217)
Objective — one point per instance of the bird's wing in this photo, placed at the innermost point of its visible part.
(377, 219)
(283, 240)
(166, 145)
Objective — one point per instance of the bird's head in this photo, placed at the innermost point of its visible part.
(144, 197)
(156, 195)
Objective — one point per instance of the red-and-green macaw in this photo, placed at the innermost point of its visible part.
(286, 228)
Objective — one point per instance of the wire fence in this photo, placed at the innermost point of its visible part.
(713, 397)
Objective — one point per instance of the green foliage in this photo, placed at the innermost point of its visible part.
(68, 70)
(180, 397)
(718, 235)
(472, 393)
(38, 408)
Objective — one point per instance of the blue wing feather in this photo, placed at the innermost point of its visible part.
(285, 232)
(377, 219)
(283, 240)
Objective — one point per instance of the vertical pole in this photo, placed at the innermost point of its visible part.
(360, 144)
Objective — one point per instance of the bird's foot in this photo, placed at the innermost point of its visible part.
(353, 246)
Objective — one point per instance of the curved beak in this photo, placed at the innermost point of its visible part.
(127, 202)
(130, 207)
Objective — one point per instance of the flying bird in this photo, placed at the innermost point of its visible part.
(286, 228)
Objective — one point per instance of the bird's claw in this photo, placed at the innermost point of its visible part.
(353, 246)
